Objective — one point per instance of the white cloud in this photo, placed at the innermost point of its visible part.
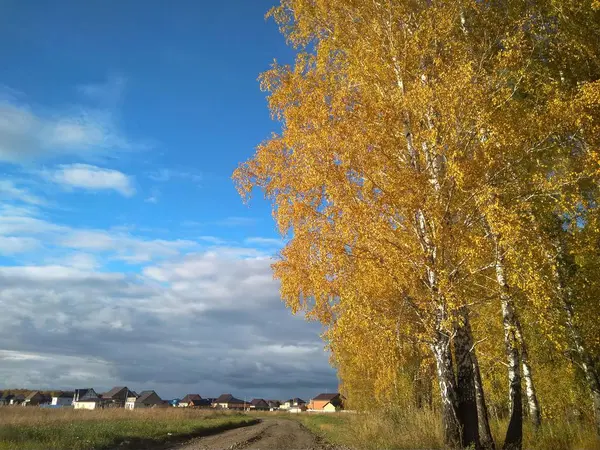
(11, 245)
(123, 246)
(9, 190)
(28, 133)
(90, 177)
(55, 273)
(64, 328)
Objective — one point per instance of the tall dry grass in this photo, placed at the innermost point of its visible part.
(411, 428)
(69, 429)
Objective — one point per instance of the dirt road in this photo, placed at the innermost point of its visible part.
(270, 434)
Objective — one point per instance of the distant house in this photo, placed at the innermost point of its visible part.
(35, 398)
(327, 402)
(63, 399)
(185, 401)
(274, 405)
(202, 403)
(258, 404)
(86, 399)
(146, 399)
(17, 399)
(6, 398)
(228, 401)
(293, 403)
(116, 397)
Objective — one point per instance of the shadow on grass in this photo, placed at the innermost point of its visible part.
(168, 441)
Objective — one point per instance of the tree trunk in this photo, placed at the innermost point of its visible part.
(485, 434)
(465, 382)
(532, 400)
(514, 433)
(560, 265)
(445, 372)
(587, 364)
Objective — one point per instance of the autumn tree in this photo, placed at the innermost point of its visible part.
(417, 139)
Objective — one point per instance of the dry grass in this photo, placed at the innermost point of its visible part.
(421, 429)
(66, 428)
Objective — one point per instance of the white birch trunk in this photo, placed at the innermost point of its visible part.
(514, 433)
(445, 374)
(533, 404)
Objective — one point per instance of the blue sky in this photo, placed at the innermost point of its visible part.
(120, 230)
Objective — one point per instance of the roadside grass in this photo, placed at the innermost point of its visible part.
(51, 429)
(421, 429)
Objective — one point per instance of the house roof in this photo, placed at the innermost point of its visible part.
(145, 395)
(258, 401)
(228, 398)
(199, 402)
(114, 391)
(274, 402)
(295, 400)
(79, 393)
(7, 396)
(32, 394)
(188, 398)
(65, 395)
(327, 397)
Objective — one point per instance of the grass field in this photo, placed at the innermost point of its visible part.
(39, 428)
(421, 429)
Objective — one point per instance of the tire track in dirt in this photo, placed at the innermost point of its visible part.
(270, 434)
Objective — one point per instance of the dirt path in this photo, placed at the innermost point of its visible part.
(270, 434)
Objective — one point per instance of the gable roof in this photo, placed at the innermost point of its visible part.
(228, 398)
(258, 401)
(33, 394)
(114, 392)
(145, 395)
(295, 400)
(190, 397)
(86, 393)
(327, 397)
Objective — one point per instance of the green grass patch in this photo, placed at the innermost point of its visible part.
(78, 430)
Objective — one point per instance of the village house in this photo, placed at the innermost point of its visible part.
(86, 399)
(185, 401)
(6, 398)
(35, 398)
(202, 403)
(228, 401)
(258, 404)
(327, 402)
(274, 405)
(293, 403)
(18, 399)
(63, 399)
(146, 399)
(116, 397)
